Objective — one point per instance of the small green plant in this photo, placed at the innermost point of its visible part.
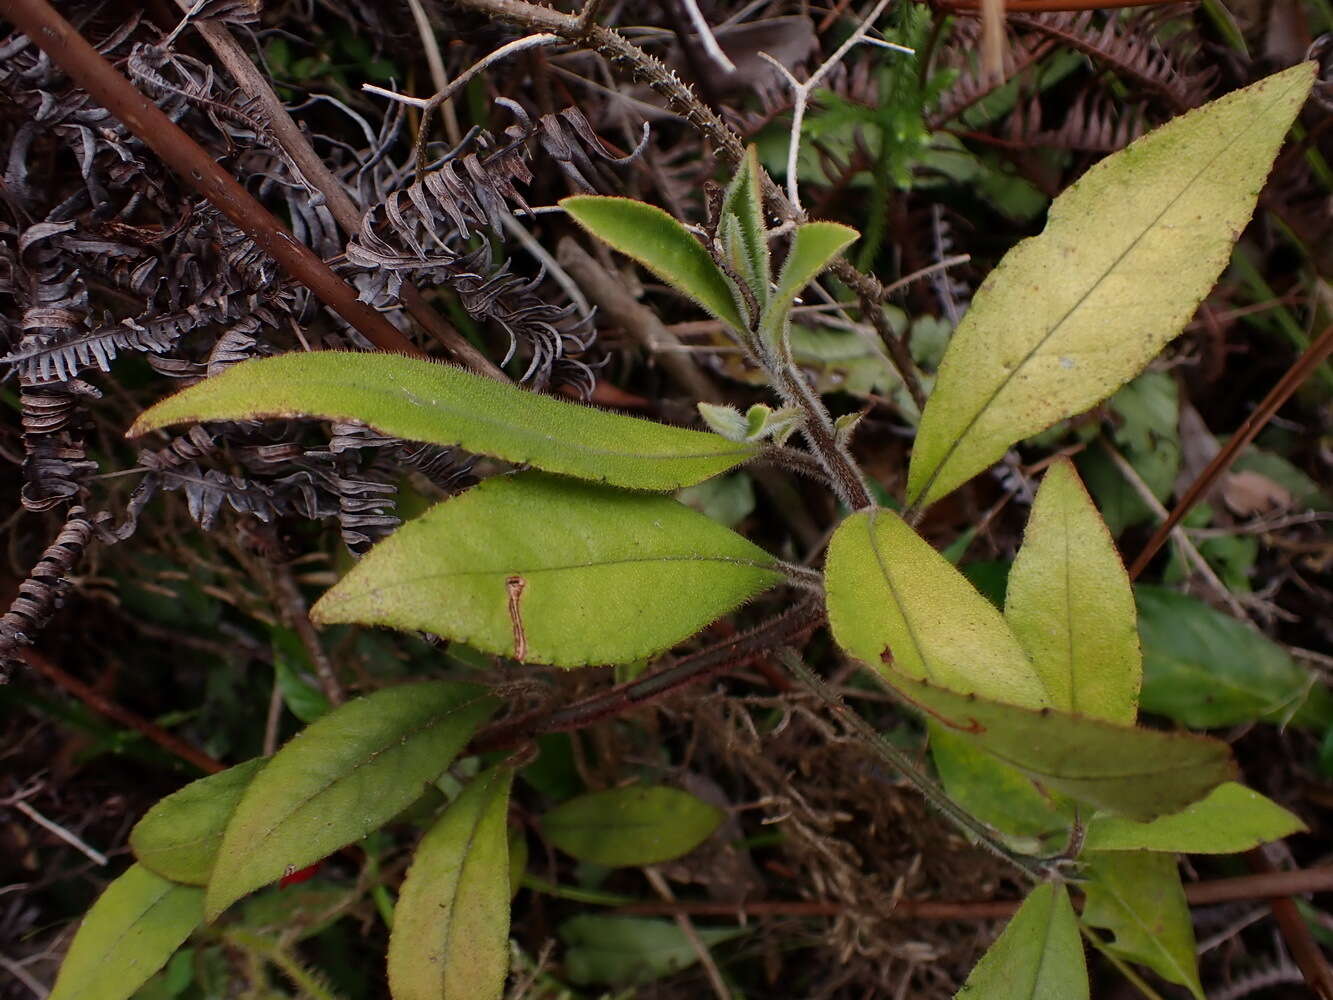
(584, 559)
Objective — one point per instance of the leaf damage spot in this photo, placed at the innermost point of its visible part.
(515, 586)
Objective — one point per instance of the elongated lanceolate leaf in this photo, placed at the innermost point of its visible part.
(636, 825)
(450, 938)
(549, 570)
(1137, 896)
(1138, 773)
(130, 932)
(179, 837)
(1231, 819)
(661, 244)
(812, 248)
(749, 246)
(897, 604)
(427, 401)
(1038, 957)
(340, 778)
(1206, 669)
(1070, 604)
(1128, 252)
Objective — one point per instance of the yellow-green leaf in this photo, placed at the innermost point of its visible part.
(341, 778)
(1137, 896)
(428, 401)
(1070, 604)
(450, 938)
(550, 570)
(1231, 819)
(179, 837)
(1138, 773)
(895, 601)
(657, 241)
(1127, 254)
(813, 246)
(635, 825)
(130, 932)
(1038, 957)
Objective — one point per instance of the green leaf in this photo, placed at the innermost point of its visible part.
(626, 951)
(1205, 669)
(427, 401)
(179, 837)
(1128, 252)
(997, 794)
(896, 603)
(303, 699)
(812, 248)
(728, 500)
(130, 932)
(661, 244)
(550, 570)
(748, 249)
(450, 938)
(1070, 604)
(1038, 957)
(1137, 896)
(634, 825)
(340, 778)
(1139, 773)
(1231, 819)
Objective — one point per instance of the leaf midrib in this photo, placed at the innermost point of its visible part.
(1004, 382)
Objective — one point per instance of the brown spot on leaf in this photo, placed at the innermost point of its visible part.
(515, 585)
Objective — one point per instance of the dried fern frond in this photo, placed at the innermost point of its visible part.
(39, 595)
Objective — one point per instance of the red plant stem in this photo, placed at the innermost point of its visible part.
(87, 68)
(1304, 367)
(1300, 942)
(1245, 888)
(735, 651)
(104, 706)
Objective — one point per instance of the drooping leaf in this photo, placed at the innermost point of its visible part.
(427, 401)
(1128, 252)
(1137, 896)
(1138, 773)
(1205, 669)
(450, 938)
(997, 794)
(893, 601)
(1070, 604)
(812, 248)
(1038, 957)
(340, 778)
(634, 825)
(748, 248)
(657, 241)
(550, 570)
(129, 933)
(627, 951)
(1231, 819)
(179, 837)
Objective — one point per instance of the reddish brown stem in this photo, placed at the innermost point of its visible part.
(1305, 366)
(105, 707)
(1300, 942)
(87, 68)
(735, 651)
(1245, 888)
(1042, 6)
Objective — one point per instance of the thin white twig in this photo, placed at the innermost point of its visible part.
(686, 926)
(544, 257)
(438, 75)
(707, 38)
(801, 91)
(24, 976)
(440, 96)
(94, 855)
